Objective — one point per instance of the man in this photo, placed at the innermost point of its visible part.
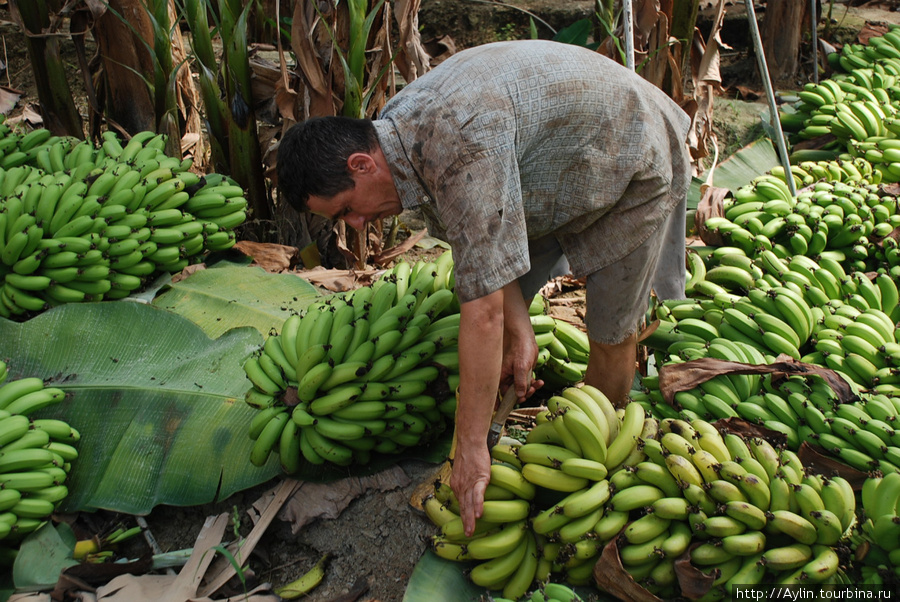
(522, 155)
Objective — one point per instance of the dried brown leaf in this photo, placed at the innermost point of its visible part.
(693, 582)
(385, 257)
(711, 205)
(9, 98)
(828, 465)
(313, 501)
(657, 64)
(749, 430)
(270, 256)
(338, 280)
(184, 586)
(688, 375)
(611, 577)
(412, 58)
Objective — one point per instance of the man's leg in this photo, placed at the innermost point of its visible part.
(611, 368)
(547, 262)
(617, 298)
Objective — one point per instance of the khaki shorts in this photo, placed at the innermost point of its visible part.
(618, 295)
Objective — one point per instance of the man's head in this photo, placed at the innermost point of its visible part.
(333, 166)
(312, 157)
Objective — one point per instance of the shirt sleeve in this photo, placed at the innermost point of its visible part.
(479, 201)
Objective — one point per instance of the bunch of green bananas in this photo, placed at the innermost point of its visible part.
(79, 223)
(563, 348)
(813, 311)
(664, 488)
(880, 522)
(857, 105)
(856, 56)
(370, 370)
(36, 456)
(519, 539)
(845, 322)
(755, 513)
(848, 222)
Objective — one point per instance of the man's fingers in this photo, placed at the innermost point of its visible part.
(473, 507)
(468, 518)
(535, 385)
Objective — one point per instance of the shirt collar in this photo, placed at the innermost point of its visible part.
(409, 187)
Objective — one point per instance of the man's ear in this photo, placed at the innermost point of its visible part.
(360, 163)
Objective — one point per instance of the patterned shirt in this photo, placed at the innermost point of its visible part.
(511, 141)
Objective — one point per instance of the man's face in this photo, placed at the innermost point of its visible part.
(357, 206)
(372, 197)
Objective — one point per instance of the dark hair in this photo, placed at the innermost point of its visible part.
(312, 157)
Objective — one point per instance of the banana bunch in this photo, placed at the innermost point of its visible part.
(882, 152)
(79, 223)
(810, 166)
(860, 433)
(565, 458)
(36, 456)
(879, 528)
(723, 396)
(842, 321)
(663, 488)
(17, 149)
(856, 103)
(804, 409)
(361, 372)
(813, 311)
(772, 317)
(879, 49)
(848, 221)
(753, 511)
(563, 349)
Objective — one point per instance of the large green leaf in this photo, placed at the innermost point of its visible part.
(437, 580)
(748, 163)
(42, 556)
(738, 170)
(158, 403)
(225, 297)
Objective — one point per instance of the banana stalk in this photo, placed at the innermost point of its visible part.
(195, 13)
(245, 157)
(57, 104)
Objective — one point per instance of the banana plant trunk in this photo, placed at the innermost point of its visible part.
(58, 108)
(245, 155)
(125, 59)
(781, 32)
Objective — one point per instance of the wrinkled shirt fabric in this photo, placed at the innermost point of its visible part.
(513, 141)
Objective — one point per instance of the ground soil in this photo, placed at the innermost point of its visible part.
(377, 540)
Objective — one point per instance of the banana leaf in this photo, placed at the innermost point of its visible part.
(42, 556)
(437, 580)
(748, 163)
(222, 298)
(741, 168)
(157, 402)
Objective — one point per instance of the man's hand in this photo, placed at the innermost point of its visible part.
(520, 350)
(470, 477)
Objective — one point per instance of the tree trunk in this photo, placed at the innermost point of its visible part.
(781, 32)
(125, 60)
(123, 34)
(57, 105)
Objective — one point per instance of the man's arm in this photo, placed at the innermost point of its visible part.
(480, 357)
(495, 340)
(520, 349)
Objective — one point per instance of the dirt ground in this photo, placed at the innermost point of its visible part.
(377, 540)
